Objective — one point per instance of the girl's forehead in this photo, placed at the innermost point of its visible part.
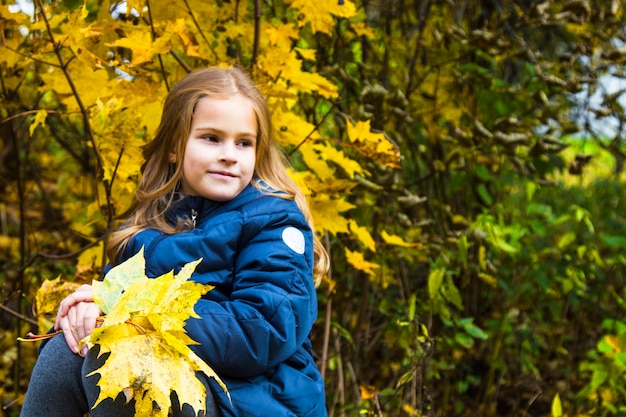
(234, 112)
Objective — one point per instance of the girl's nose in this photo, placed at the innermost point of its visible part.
(228, 154)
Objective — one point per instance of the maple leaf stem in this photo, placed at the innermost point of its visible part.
(141, 329)
(32, 337)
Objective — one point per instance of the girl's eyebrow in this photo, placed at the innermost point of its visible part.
(217, 130)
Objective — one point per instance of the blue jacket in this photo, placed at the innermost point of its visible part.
(254, 326)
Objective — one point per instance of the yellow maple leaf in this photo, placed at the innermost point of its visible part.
(113, 125)
(362, 29)
(143, 331)
(357, 260)
(316, 162)
(309, 54)
(363, 235)
(326, 213)
(373, 145)
(47, 300)
(143, 46)
(38, 120)
(284, 64)
(398, 241)
(291, 129)
(84, 79)
(81, 36)
(282, 34)
(320, 13)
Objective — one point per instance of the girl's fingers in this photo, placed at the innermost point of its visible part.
(70, 339)
(78, 323)
(82, 294)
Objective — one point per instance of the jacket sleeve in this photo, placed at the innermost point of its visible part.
(273, 303)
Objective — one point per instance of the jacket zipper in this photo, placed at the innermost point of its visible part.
(194, 215)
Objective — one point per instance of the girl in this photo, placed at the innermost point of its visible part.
(214, 186)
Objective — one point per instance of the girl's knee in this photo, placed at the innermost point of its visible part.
(57, 359)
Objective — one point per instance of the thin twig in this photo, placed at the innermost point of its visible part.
(197, 25)
(257, 32)
(41, 61)
(315, 129)
(328, 318)
(154, 37)
(25, 113)
(69, 255)
(18, 315)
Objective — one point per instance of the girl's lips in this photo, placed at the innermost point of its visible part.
(222, 174)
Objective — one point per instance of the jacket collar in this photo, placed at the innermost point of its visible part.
(203, 207)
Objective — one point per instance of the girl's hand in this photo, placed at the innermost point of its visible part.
(77, 317)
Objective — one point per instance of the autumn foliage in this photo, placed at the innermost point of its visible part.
(477, 249)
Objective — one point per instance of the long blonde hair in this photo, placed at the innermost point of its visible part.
(160, 178)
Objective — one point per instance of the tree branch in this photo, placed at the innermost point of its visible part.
(18, 315)
(257, 32)
(197, 25)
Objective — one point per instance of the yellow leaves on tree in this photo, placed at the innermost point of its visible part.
(357, 260)
(114, 123)
(144, 47)
(320, 13)
(373, 145)
(81, 36)
(143, 332)
(285, 66)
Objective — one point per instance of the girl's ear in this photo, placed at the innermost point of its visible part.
(171, 158)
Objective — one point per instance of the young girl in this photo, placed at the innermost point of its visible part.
(214, 186)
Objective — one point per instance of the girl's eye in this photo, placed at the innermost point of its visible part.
(245, 143)
(210, 138)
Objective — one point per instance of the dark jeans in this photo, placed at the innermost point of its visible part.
(59, 387)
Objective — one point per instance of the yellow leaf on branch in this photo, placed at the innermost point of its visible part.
(47, 300)
(38, 120)
(81, 36)
(363, 235)
(143, 331)
(398, 241)
(326, 213)
(291, 129)
(373, 145)
(357, 260)
(282, 34)
(143, 47)
(320, 13)
(284, 65)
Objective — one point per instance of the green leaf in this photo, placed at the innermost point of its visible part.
(472, 329)
(435, 280)
(614, 241)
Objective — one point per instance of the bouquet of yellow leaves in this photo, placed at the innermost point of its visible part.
(143, 331)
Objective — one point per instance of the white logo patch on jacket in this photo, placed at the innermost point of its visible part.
(294, 238)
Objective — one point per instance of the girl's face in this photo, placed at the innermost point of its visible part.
(220, 155)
